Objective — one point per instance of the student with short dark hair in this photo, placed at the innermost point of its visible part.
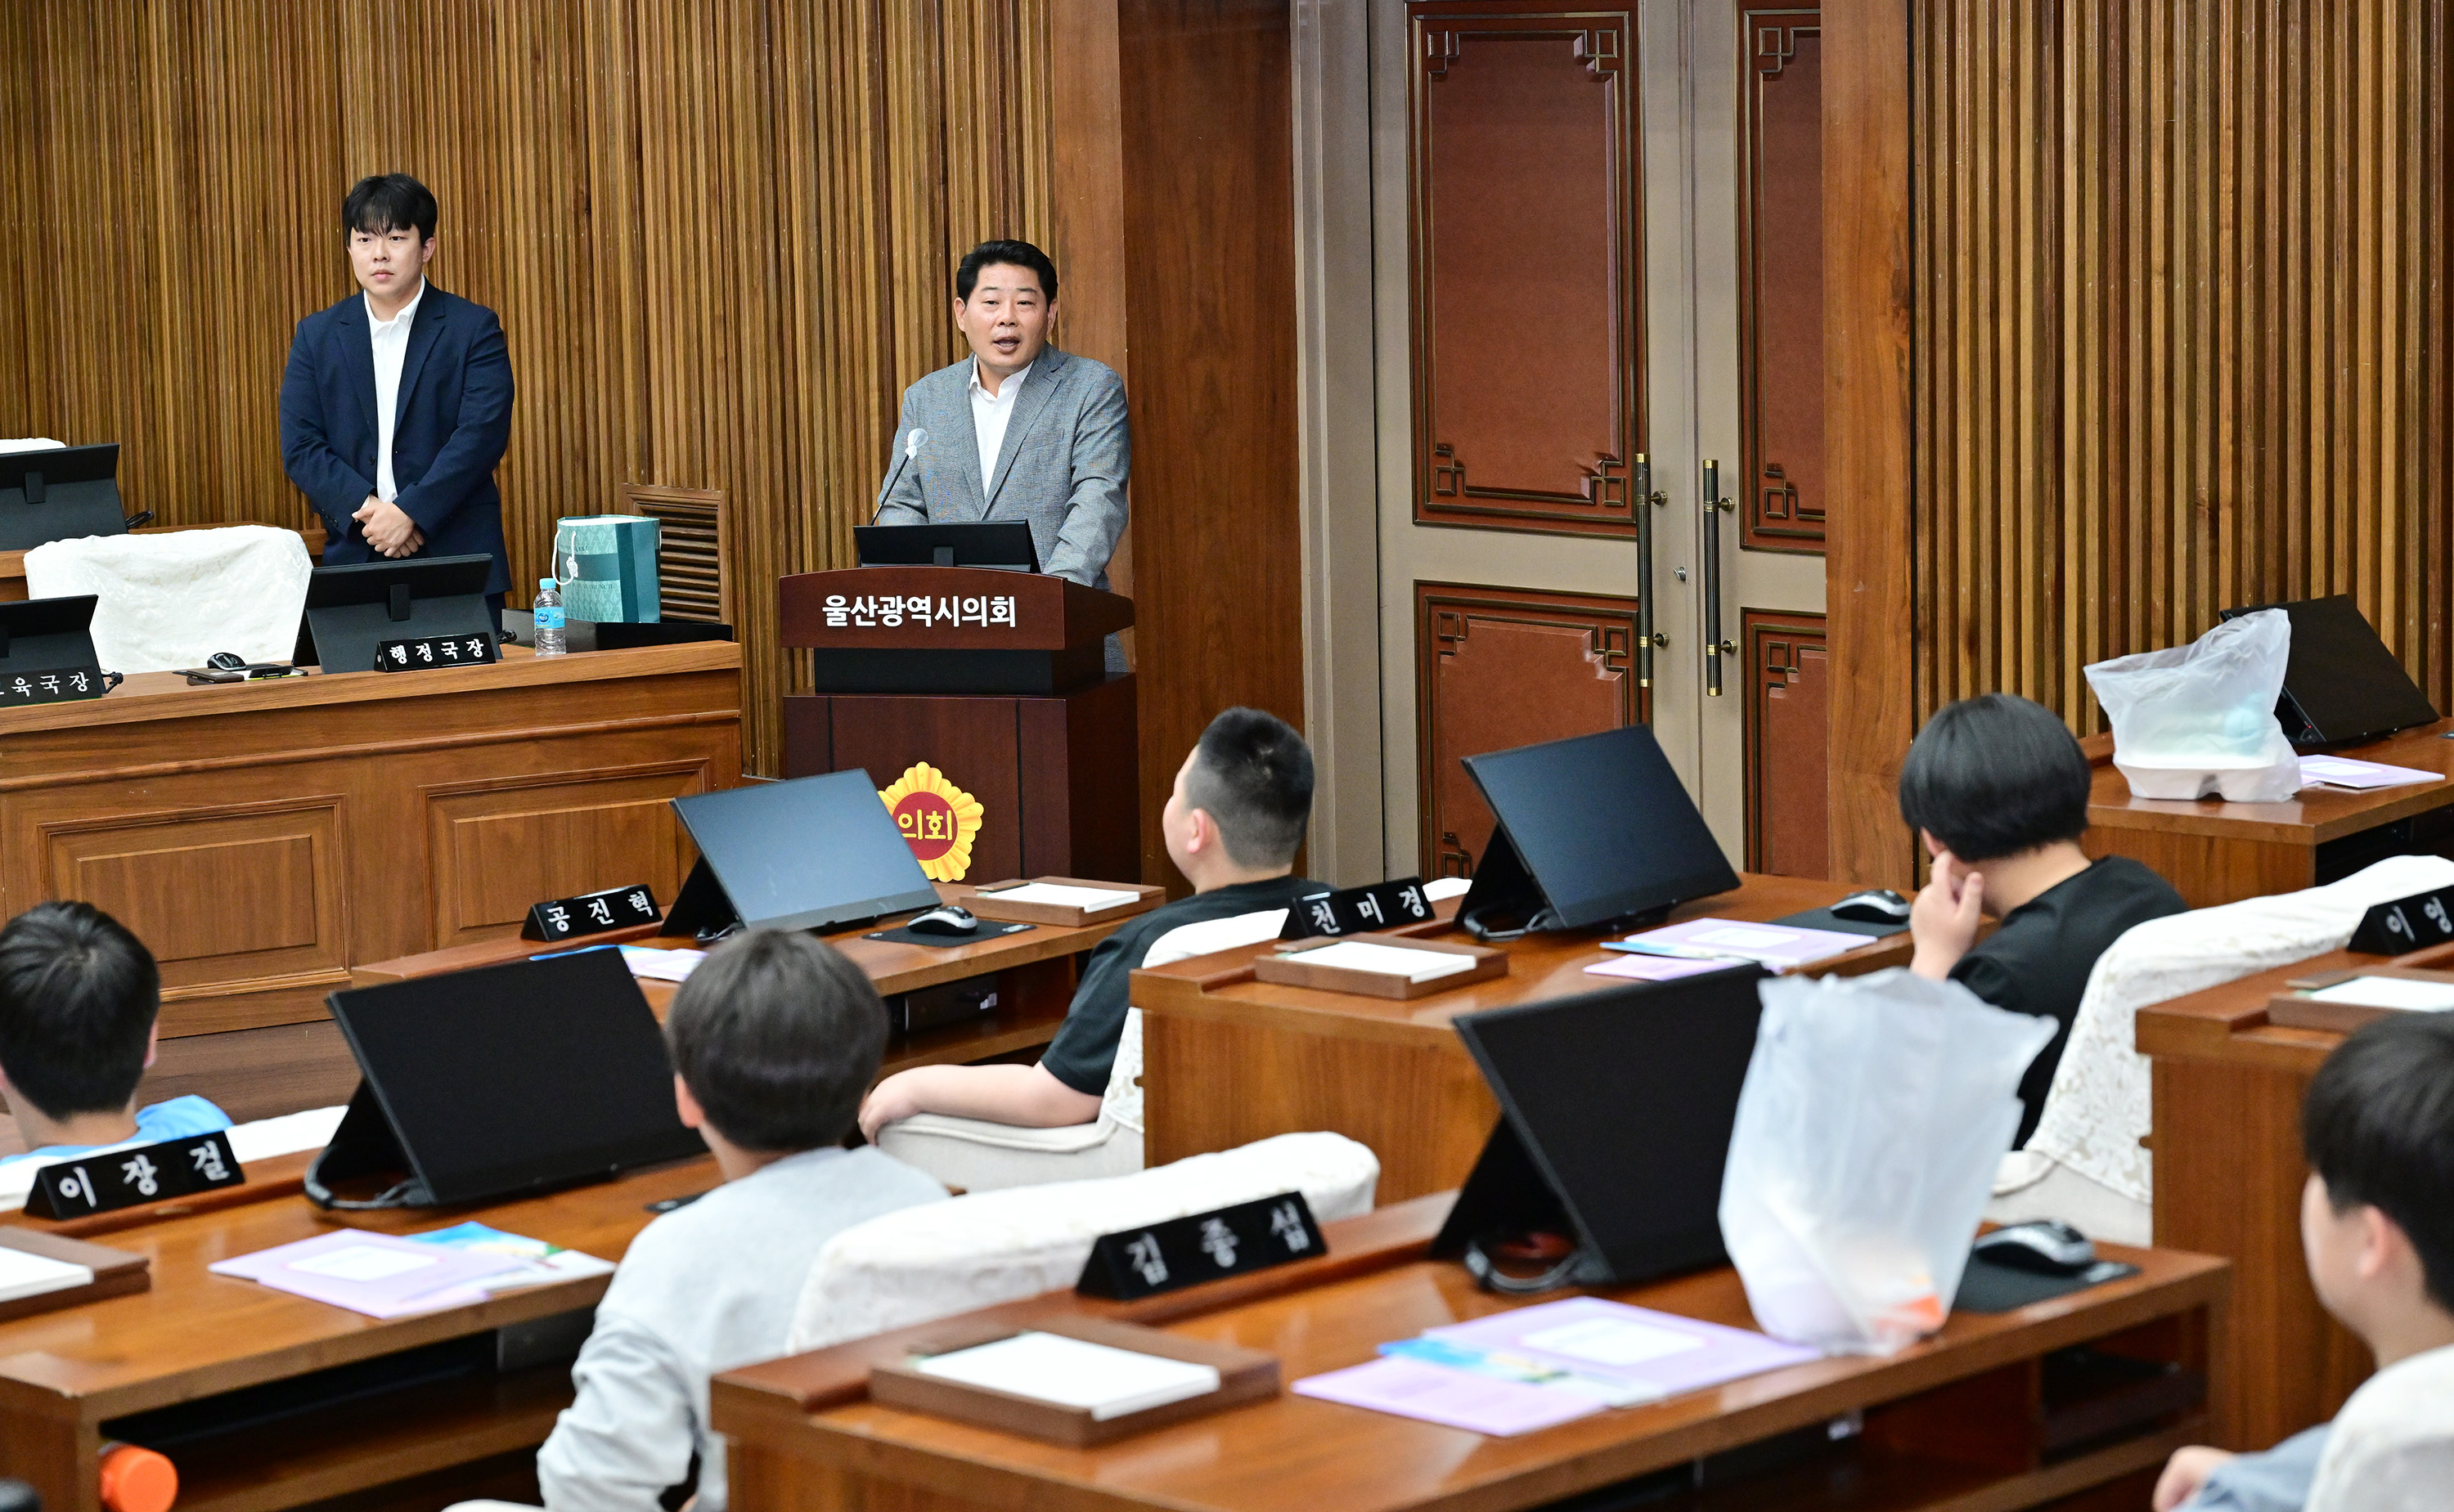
(78, 998)
(773, 1039)
(1233, 826)
(2377, 1225)
(1996, 788)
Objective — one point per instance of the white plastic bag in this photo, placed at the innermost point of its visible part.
(1874, 1113)
(2199, 718)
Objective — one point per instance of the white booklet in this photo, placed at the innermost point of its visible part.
(1074, 1372)
(1388, 961)
(1060, 896)
(25, 1275)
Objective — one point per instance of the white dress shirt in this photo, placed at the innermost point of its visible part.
(391, 339)
(991, 412)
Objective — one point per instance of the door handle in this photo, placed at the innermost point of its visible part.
(1715, 647)
(1646, 636)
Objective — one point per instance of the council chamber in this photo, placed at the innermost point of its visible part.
(1225, 756)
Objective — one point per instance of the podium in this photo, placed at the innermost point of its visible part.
(979, 703)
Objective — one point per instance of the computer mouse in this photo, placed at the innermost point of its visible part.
(1876, 905)
(2045, 1244)
(226, 661)
(949, 919)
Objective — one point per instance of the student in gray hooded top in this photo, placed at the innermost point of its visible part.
(774, 1038)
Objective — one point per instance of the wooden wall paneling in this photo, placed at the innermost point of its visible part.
(499, 845)
(1780, 288)
(1525, 264)
(1870, 318)
(720, 237)
(1207, 208)
(1788, 732)
(2182, 332)
(1499, 668)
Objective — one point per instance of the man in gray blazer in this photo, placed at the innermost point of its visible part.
(1017, 430)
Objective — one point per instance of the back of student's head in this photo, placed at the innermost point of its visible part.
(2378, 1128)
(1995, 775)
(778, 1037)
(1252, 773)
(78, 996)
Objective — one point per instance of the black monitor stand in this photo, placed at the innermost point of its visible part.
(353, 610)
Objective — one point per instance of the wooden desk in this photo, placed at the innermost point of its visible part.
(64, 1375)
(263, 837)
(1037, 972)
(1228, 1060)
(2218, 852)
(2226, 1149)
(1952, 1422)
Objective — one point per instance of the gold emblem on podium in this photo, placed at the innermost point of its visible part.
(937, 819)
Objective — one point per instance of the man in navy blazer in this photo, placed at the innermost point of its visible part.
(396, 404)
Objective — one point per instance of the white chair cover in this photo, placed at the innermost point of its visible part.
(2084, 1161)
(977, 1156)
(170, 600)
(939, 1259)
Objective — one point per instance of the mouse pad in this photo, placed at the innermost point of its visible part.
(1822, 919)
(1985, 1286)
(988, 930)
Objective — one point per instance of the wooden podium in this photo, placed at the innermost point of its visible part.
(979, 703)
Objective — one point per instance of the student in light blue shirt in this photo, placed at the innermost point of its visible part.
(79, 997)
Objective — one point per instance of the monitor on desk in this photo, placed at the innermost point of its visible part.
(2341, 684)
(354, 609)
(1588, 829)
(60, 493)
(509, 1079)
(1005, 546)
(813, 853)
(1616, 1112)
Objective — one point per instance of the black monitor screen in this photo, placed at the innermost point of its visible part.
(807, 854)
(59, 493)
(1626, 1098)
(980, 544)
(355, 607)
(1603, 824)
(2348, 685)
(518, 1076)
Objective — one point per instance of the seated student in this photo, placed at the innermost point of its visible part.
(1997, 790)
(2377, 1225)
(774, 1038)
(1241, 801)
(78, 998)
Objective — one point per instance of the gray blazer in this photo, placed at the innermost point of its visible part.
(1062, 467)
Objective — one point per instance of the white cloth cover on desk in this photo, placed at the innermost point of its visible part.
(170, 600)
(941, 1258)
(978, 1156)
(2085, 1163)
(29, 444)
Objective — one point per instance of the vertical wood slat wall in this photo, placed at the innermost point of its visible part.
(2181, 329)
(720, 234)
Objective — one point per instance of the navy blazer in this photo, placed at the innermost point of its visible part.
(454, 421)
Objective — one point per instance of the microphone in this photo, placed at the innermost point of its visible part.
(912, 441)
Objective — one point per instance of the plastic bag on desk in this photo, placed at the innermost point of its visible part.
(1874, 1113)
(2201, 718)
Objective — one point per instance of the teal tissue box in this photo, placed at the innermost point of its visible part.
(608, 563)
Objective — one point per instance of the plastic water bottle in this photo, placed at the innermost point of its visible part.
(548, 612)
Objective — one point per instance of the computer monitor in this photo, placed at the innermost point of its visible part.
(508, 1079)
(353, 609)
(1616, 1112)
(60, 493)
(1006, 545)
(813, 853)
(1591, 828)
(2341, 684)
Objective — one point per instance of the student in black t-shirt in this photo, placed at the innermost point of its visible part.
(1996, 788)
(1233, 825)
